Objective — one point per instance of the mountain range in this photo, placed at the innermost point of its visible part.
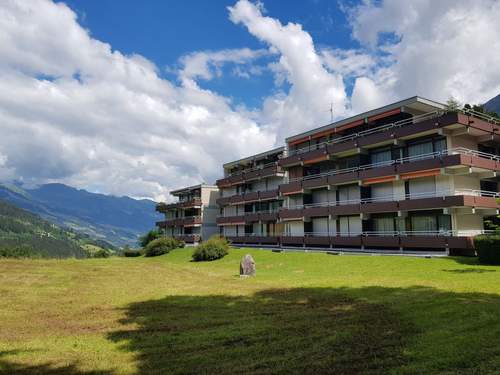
(493, 105)
(118, 220)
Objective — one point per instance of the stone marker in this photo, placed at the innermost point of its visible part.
(247, 266)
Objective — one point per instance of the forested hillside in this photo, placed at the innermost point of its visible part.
(25, 234)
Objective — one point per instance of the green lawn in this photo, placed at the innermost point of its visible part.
(303, 313)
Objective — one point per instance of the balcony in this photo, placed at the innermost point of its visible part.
(479, 199)
(248, 197)
(249, 217)
(452, 158)
(180, 222)
(251, 174)
(188, 238)
(454, 241)
(163, 207)
(480, 123)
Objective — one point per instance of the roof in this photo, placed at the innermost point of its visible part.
(416, 102)
(254, 157)
(194, 187)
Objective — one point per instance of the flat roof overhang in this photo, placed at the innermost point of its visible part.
(252, 158)
(415, 104)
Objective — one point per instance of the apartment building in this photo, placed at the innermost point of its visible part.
(408, 176)
(250, 201)
(193, 217)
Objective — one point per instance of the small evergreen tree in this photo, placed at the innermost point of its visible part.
(152, 235)
(452, 104)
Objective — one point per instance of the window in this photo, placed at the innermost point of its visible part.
(383, 224)
(381, 157)
(430, 223)
(427, 147)
(422, 187)
(348, 194)
(349, 225)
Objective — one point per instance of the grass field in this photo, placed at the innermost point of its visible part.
(303, 313)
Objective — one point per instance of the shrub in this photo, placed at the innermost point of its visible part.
(101, 253)
(488, 249)
(214, 248)
(130, 253)
(160, 246)
(148, 237)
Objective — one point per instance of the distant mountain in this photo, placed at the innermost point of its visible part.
(119, 220)
(493, 105)
(25, 234)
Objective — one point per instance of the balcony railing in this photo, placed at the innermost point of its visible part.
(393, 125)
(447, 233)
(396, 197)
(247, 170)
(405, 160)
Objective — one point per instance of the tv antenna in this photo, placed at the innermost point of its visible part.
(331, 112)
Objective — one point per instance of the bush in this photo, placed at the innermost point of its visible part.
(101, 253)
(148, 237)
(488, 249)
(130, 253)
(214, 248)
(161, 246)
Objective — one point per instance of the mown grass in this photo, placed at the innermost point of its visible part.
(303, 313)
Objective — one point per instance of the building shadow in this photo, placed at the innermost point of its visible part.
(311, 330)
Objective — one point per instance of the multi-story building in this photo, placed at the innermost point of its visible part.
(410, 175)
(250, 200)
(193, 217)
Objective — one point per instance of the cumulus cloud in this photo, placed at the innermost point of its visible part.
(76, 111)
(436, 49)
(312, 87)
(93, 117)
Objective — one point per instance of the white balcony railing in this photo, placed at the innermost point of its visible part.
(408, 159)
(393, 125)
(396, 197)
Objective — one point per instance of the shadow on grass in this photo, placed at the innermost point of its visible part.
(369, 330)
(470, 270)
(7, 367)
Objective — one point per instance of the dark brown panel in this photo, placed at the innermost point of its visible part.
(453, 160)
(343, 178)
(316, 211)
(312, 183)
(314, 154)
(270, 171)
(251, 175)
(460, 242)
(422, 203)
(483, 163)
(489, 202)
(238, 179)
(251, 197)
(236, 239)
(339, 241)
(268, 216)
(317, 240)
(376, 138)
(389, 170)
(286, 213)
(379, 207)
(251, 217)
(427, 242)
(268, 240)
(223, 201)
(419, 165)
(290, 160)
(291, 187)
(292, 240)
(341, 147)
(346, 209)
(271, 194)
(382, 241)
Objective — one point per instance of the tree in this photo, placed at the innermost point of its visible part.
(153, 234)
(452, 104)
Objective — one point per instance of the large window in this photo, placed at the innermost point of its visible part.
(430, 222)
(348, 194)
(383, 224)
(426, 147)
(381, 157)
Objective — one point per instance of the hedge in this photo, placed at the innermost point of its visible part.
(488, 249)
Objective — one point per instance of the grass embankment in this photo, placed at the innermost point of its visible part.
(303, 313)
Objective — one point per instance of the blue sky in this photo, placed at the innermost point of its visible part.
(163, 31)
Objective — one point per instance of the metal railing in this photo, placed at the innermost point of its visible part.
(404, 160)
(443, 232)
(392, 125)
(399, 197)
(247, 170)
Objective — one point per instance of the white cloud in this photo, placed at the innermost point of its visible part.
(206, 64)
(74, 110)
(438, 49)
(312, 87)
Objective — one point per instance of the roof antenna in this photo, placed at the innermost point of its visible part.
(331, 112)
